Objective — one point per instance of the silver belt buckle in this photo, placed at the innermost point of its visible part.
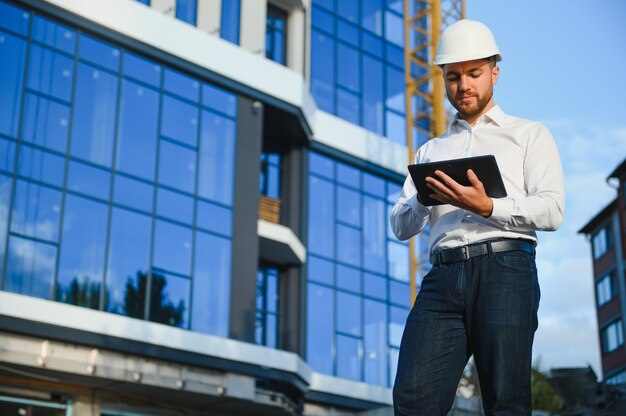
(466, 255)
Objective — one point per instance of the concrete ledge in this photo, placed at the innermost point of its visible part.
(279, 244)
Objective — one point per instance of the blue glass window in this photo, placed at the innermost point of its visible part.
(320, 317)
(41, 166)
(142, 69)
(323, 20)
(54, 35)
(371, 16)
(348, 106)
(180, 121)
(396, 127)
(270, 175)
(13, 51)
(50, 73)
(363, 273)
(230, 20)
(81, 261)
(219, 100)
(213, 217)
(348, 32)
(46, 123)
(323, 70)
(133, 193)
(137, 131)
(93, 122)
(186, 11)
(175, 206)
(127, 264)
(275, 37)
(30, 267)
(329, 4)
(169, 299)
(5, 201)
(177, 166)
(217, 156)
(146, 2)
(89, 180)
(373, 95)
(7, 155)
(172, 247)
(211, 285)
(181, 85)
(14, 18)
(394, 27)
(98, 52)
(36, 211)
(348, 73)
(266, 330)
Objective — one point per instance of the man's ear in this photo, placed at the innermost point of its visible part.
(495, 71)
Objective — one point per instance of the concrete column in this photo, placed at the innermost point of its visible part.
(209, 18)
(252, 26)
(85, 406)
(167, 7)
(296, 40)
(245, 213)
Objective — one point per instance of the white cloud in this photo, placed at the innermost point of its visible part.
(567, 334)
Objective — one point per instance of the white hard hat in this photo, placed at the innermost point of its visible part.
(466, 40)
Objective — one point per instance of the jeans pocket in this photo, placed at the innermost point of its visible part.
(516, 260)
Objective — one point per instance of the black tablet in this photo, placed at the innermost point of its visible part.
(485, 167)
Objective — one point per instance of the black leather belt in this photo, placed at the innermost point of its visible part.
(464, 253)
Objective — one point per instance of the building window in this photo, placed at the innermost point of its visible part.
(602, 241)
(266, 328)
(357, 64)
(270, 175)
(275, 34)
(619, 378)
(612, 337)
(186, 11)
(606, 288)
(121, 197)
(230, 20)
(358, 274)
(146, 2)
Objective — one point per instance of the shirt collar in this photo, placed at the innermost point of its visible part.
(495, 115)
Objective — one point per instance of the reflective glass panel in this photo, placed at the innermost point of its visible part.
(373, 45)
(395, 90)
(319, 270)
(321, 165)
(186, 11)
(399, 293)
(348, 175)
(211, 285)
(348, 9)
(348, 358)
(348, 278)
(93, 122)
(375, 342)
(46, 123)
(14, 18)
(81, 261)
(99, 52)
(348, 313)
(373, 185)
(54, 35)
(348, 32)
(348, 206)
(13, 51)
(373, 95)
(396, 325)
(348, 245)
(127, 266)
(320, 317)
(322, 71)
(394, 28)
(172, 247)
(41, 166)
(181, 85)
(133, 193)
(137, 130)
(219, 100)
(321, 217)
(323, 20)
(214, 218)
(348, 74)
(177, 166)
(230, 20)
(36, 211)
(30, 267)
(375, 286)
(179, 121)
(169, 299)
(396, 127)
(175, 206)
(348, 106)
(329, 4)
(7, 155)
(371, 16)
(89, 180)
(5, 200)
(217, 158)
(398, 260)
(374, 256)
(141, 69)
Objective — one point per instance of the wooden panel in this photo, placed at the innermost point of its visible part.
(269, 209)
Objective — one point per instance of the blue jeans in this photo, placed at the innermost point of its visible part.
(485, 306)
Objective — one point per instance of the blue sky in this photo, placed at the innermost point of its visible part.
(564, 64)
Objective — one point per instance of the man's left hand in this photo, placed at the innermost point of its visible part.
(471, 198)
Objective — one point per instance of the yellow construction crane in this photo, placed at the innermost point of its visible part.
(425, 112)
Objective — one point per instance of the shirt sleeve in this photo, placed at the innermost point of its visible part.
(542, 208)
(408, 215)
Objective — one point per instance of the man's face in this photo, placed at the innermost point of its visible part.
(469, 86)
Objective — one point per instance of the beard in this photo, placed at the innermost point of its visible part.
(471, 108)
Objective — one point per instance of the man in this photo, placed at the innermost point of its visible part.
(481, 296)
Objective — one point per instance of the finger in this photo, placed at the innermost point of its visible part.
(473, 179)
(438, 187)
(450, 183)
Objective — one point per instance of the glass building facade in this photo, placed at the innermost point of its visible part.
(115, 178)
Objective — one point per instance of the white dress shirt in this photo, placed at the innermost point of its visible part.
(529, 162)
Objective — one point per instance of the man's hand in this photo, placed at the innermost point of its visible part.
(471, 198)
